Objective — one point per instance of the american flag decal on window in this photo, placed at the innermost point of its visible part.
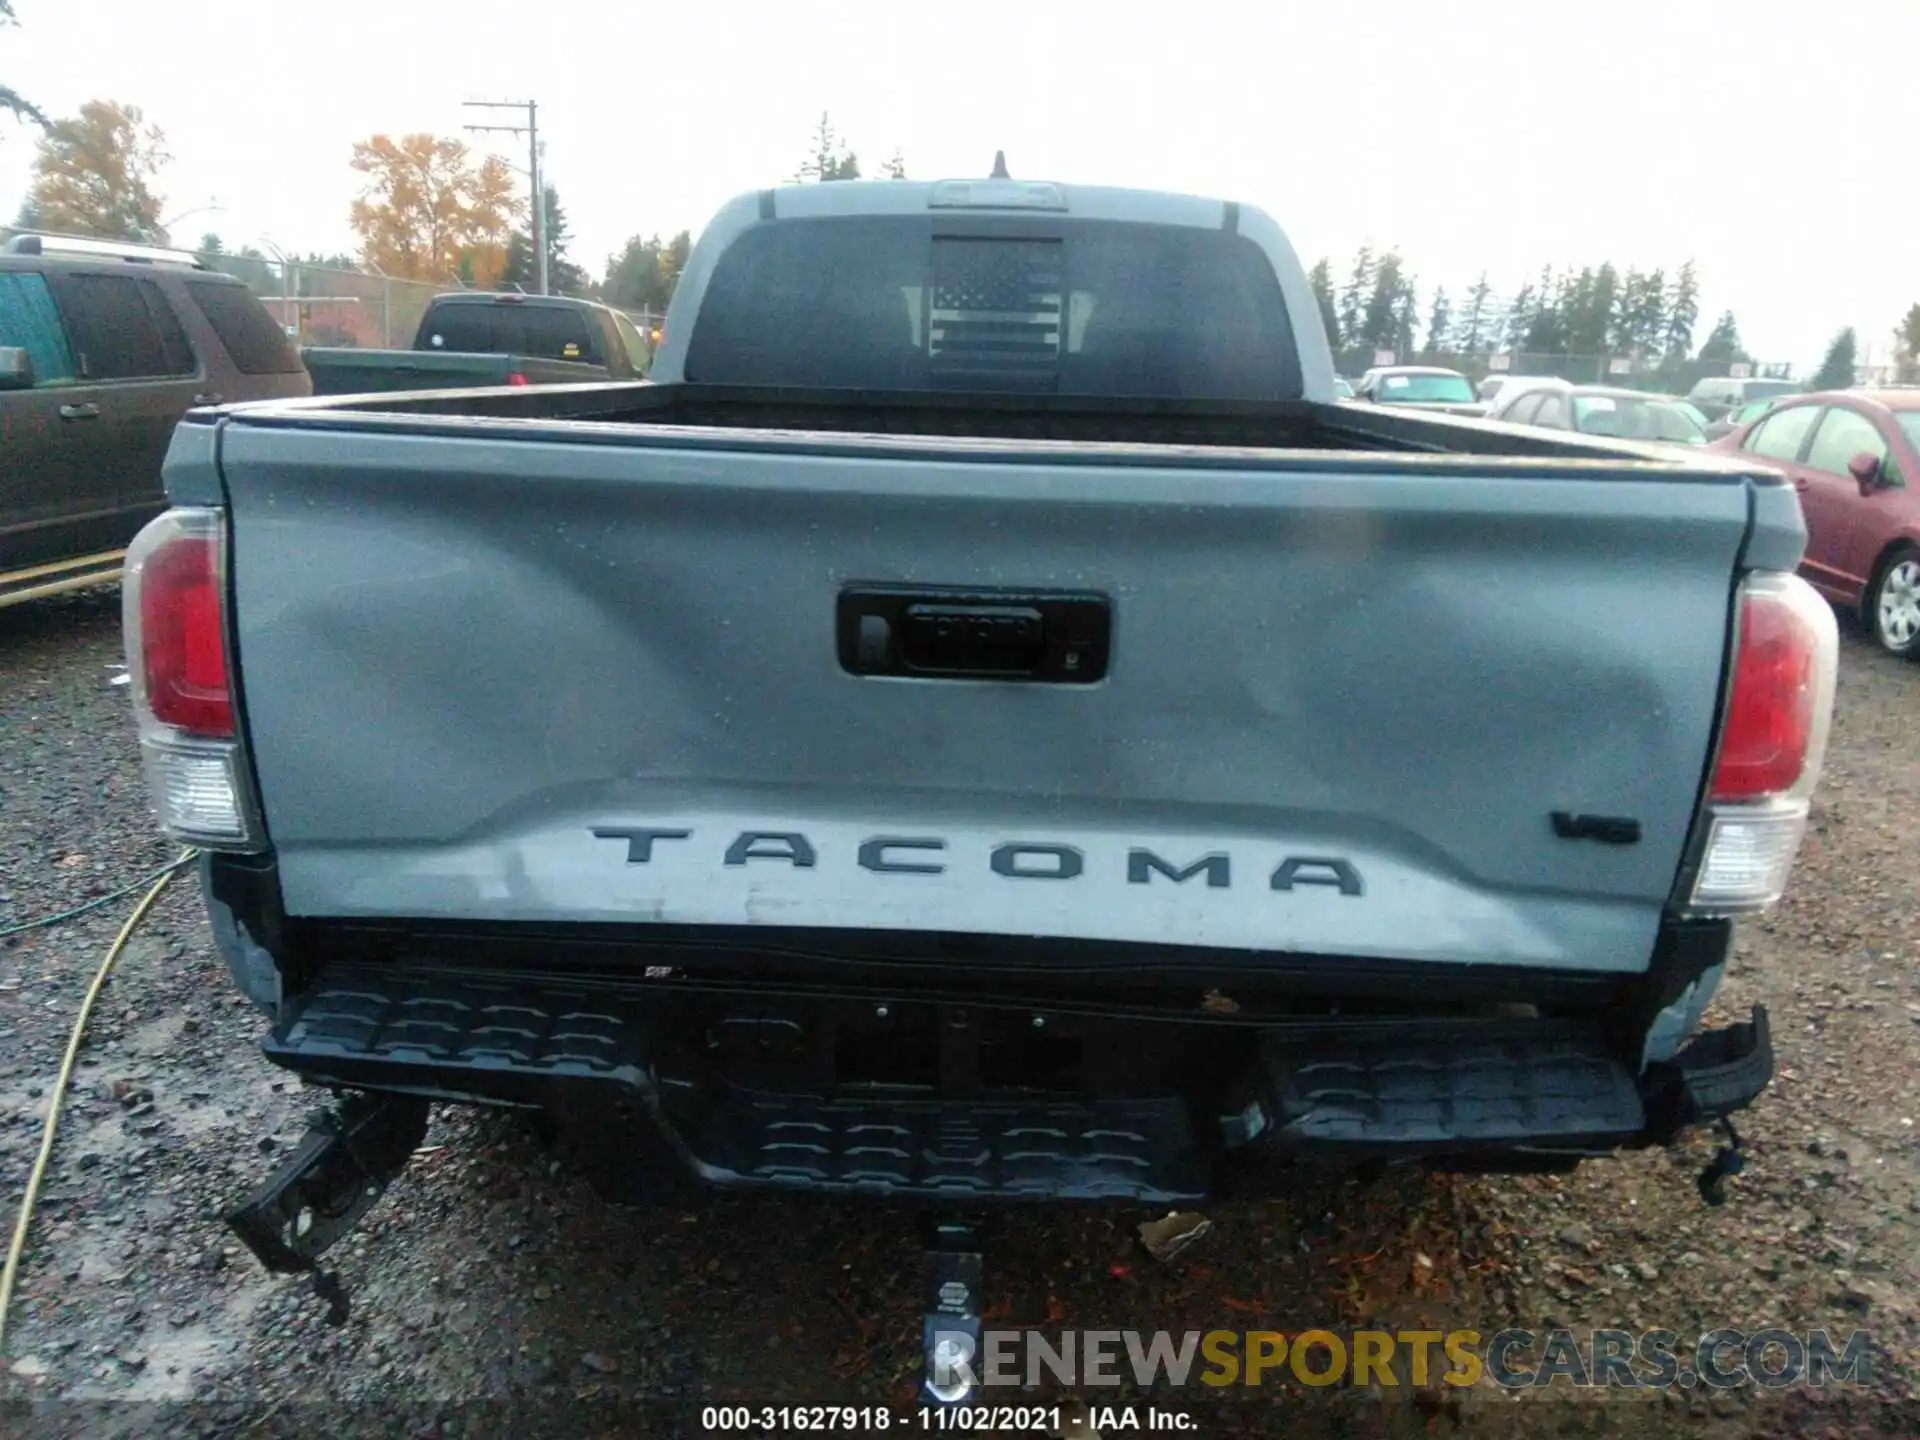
(997, 306)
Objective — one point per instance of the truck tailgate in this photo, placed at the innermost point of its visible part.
(481, 671)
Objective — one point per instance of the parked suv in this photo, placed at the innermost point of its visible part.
(102, 349)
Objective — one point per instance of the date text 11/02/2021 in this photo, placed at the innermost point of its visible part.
(983, 1419)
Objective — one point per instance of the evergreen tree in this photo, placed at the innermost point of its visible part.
(1640, 319)
(1723, 344)
(1906, 348)
(1320, 281)
(1406, 319)
(1598, 311)
(1547, 327)
(673, 259)
(1493, 324)
(1573, 307)
(1683, 312)
(831, 159)
(1520, 317)
(1590, 312)
(563, 276)
(1837, 369)
(643, 275)
(1353, 298)
(1439, 322)
(1474, 325)
(1380, 321)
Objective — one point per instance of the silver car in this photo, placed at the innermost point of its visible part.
(1608, 410)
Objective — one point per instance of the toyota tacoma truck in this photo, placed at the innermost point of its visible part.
(984, 724)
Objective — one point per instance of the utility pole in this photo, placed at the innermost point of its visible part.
(532, 131)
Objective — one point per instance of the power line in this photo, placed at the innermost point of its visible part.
(532, 131)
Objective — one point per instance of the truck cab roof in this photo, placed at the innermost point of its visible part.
(1040, 197)
(1291, 355)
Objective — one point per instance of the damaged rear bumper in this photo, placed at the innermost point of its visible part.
(659, 1091)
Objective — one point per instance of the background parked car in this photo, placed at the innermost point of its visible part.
(1342, 388)
(102, 349)
(1745, 415)
(1494, 386)
(1518, 386)
(1719, 395)
(1419, 387)
(1607, 410)
(1854, 456)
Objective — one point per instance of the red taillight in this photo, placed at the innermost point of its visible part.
(1771, 707)
(516, 378)
(183, 646)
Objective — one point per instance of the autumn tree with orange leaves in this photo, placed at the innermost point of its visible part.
(428, 211)
(93, 175)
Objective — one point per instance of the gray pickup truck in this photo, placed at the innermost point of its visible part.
(983, 725)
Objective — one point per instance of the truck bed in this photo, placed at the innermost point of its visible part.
(490, 643)
(775, 416)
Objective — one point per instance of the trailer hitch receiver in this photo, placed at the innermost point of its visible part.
(341, 1167)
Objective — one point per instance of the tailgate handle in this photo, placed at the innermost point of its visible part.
(1607, 829)
(954, 634)
(974, 639)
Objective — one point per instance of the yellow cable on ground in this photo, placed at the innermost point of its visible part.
(19, 1245)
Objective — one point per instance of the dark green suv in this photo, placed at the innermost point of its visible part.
(102, 349)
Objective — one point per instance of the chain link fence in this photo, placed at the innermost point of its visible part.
(1671, 376)
(323, 305)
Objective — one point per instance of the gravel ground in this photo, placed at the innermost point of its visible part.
(492, 1293)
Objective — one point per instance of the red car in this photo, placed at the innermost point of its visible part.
(1854, 456)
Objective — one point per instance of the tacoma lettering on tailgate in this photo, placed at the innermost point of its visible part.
(1013, 860)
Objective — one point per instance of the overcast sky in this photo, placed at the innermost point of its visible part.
(1499, 136)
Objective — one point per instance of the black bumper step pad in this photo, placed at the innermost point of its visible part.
(501, 1039)
(1140, 1150)
(1557, 1085)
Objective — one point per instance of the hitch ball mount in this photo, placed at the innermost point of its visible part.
(337, 1173)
